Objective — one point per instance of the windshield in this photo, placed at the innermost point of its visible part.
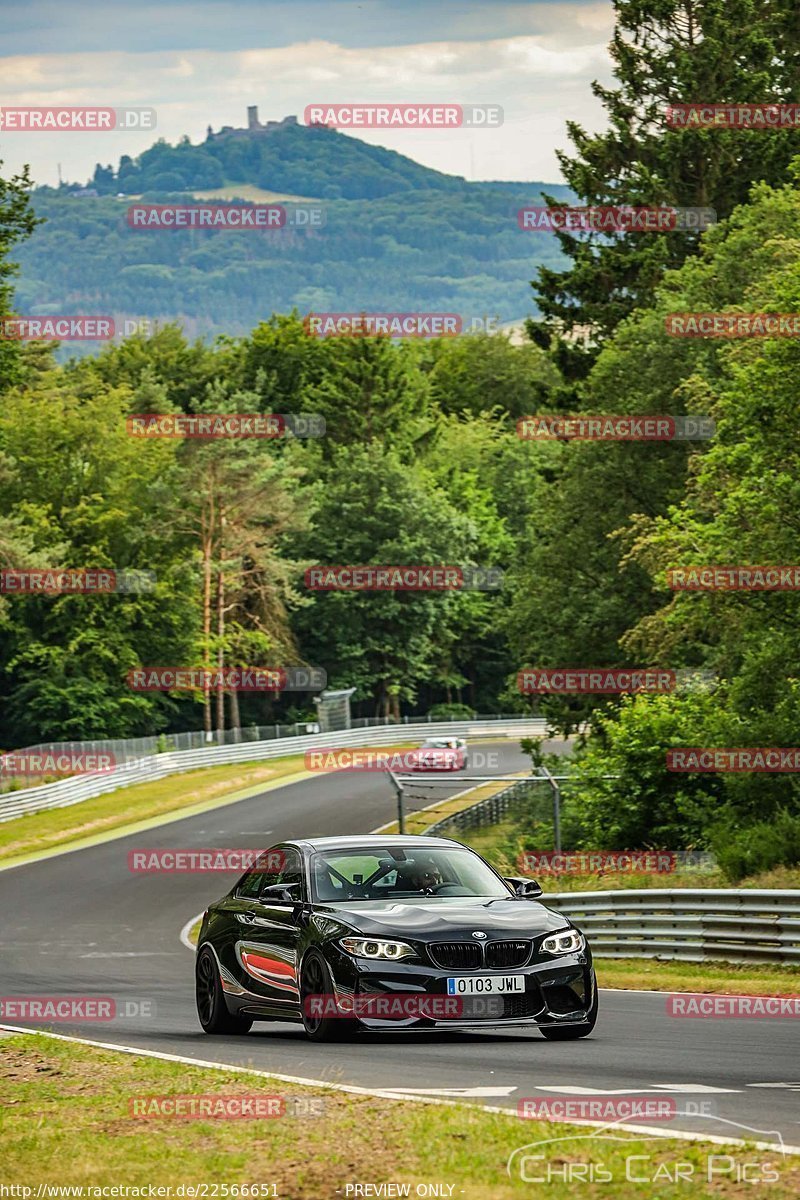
(399, 874)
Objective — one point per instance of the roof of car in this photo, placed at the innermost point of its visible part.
(367, 840)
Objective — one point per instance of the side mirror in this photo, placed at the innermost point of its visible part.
(281, 893)
(528, 889)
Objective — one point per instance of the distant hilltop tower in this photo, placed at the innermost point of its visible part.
(253, 126)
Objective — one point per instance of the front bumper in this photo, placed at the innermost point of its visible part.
(559, 991)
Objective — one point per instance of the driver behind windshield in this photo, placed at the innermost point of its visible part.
(423, 876)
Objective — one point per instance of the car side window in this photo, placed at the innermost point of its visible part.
(284, 868)
(292, 869)
(250, 885)
(267, 869)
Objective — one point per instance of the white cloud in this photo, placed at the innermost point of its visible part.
(541, 79)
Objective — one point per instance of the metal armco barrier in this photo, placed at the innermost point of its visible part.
(485, 812)
(738, 925)
(157, 766)
(691, 924)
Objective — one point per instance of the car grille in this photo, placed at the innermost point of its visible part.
(500, 955)
(468, 956)
(456, 955)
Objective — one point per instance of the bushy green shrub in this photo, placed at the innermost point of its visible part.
(744, 850)
(447, 712)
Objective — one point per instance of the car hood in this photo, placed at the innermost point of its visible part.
(448, 919)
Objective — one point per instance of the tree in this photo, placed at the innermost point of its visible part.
(486, 372)
(370, 508)
(17, 222)
(665, 52)
(577, 590)
(369, 391)
(89, 497)
(740, 507)
(238, 506)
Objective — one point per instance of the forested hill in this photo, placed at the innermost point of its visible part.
(398, 236)
(305, 160)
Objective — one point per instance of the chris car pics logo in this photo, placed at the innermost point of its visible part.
(600, 1157)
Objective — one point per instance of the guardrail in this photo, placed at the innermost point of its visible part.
(690, 924)
(122, 749)
(157, 766)
(738, 925)
(486, 812)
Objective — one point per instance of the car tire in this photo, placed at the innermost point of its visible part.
(566, 1033)
(212, 1009)
(315, 980)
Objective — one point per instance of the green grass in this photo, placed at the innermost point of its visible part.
(143, 801)
(66, 1120)
(114, 812)
(419, 822)
(729, 979)
(501, 844)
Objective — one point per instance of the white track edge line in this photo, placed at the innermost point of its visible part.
(386, 1094)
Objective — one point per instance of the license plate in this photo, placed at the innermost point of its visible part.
(485, 985)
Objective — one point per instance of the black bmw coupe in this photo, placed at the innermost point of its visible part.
(351, 934)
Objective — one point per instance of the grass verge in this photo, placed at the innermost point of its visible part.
(418, 822)
(721, 978)
(141, 802)
(66, 1121)
(495, 843)
(206, 787)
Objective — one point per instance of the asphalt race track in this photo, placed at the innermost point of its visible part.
(82, 924)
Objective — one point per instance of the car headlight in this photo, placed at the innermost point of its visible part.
(568, 942)
(375, 948)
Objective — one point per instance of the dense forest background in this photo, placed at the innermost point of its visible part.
(396, 235)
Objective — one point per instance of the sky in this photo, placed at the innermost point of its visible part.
(201, 62)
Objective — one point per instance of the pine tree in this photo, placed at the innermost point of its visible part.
(665, 52)
(17, 222)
